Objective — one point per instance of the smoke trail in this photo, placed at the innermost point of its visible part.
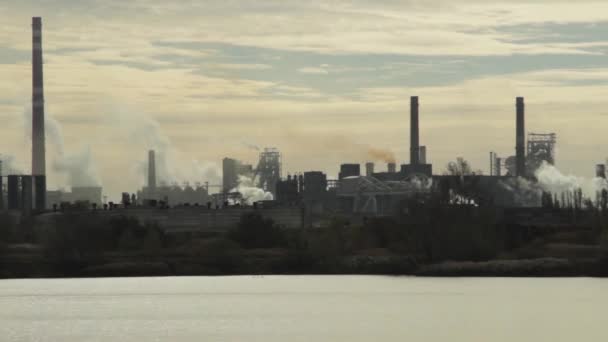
(251, 146)
(250, 192)
(386, 156)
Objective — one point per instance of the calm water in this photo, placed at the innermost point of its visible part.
(306, 308)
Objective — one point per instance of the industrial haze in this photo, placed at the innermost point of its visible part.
(197, 83)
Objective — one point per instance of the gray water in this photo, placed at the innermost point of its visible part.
(304, 308)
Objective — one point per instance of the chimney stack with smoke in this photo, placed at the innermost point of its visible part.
(151, 170)
(392, 167)
(520, 151)
(369, 169)
(38, 149)
(414, 136)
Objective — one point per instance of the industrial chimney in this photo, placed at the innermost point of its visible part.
(422, 155)
(600, 171)
(520, 151)
(392, 167)
(151, 170)
(369, 169)
(38, 150)
(414, 136)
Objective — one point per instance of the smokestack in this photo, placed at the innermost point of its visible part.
(38, 150)
(369, 169)
(151, 170)
(600, 171)
(520, 151)
(392, 167)
(422, 155)
(414, 137)
(497, 166)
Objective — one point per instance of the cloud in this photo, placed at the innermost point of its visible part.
(313, 70)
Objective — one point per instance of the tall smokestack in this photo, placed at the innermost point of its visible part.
(369, 169)
(38, 150)
(151, 170)
(520, 151)
(414, 136)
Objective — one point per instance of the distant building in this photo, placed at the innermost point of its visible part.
(91, 194)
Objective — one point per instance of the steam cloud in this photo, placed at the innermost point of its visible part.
(552, 180)
(250, 192)
(78, 168)
(172, 166)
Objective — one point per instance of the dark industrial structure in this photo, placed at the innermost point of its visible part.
(520, 139)
(268, 171)
(38, 148)
(152, 170)
(541, 148)
(307, 197)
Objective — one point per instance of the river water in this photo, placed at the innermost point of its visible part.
(304, 308)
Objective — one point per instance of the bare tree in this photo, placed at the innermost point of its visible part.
(460, 167)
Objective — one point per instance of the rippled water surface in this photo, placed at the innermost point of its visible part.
(304, 308)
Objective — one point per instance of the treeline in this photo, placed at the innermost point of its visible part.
(86, 243)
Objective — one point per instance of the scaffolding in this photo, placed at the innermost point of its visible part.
(268, 171)
(541, 148)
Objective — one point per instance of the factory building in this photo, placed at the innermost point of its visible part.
(349, 170)
(87, 194)
(19, 192)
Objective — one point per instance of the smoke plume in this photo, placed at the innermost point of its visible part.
(77, 168)
(172, 166)
(377, 154)
(250, 192)
(552, 180)
(9, 165)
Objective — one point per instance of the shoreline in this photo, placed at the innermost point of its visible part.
(522, 268)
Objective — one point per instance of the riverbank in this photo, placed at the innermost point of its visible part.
(29, 262)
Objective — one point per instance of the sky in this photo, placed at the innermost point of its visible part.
(325, 82)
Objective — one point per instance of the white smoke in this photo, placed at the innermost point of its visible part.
(9, 165)
(549, 179)
(77, 168)
(525, 193)
(552, 180)
(172, 166)
(250, 192)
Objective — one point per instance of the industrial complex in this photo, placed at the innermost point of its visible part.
(294, 200)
